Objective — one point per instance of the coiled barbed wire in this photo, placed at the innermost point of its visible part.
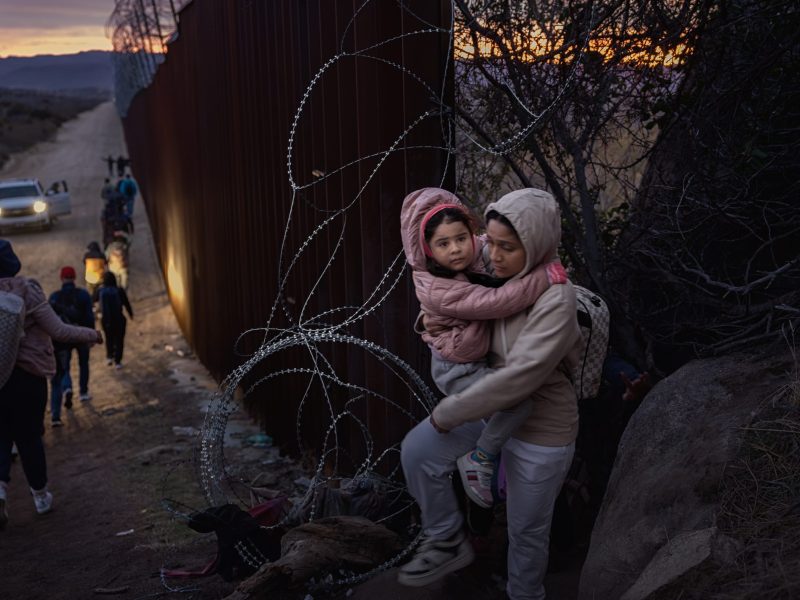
(141, 35)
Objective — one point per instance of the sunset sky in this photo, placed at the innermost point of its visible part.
(30, 27)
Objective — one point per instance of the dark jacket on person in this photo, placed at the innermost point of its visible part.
(128, 187)
(111, 300)
(73, 305)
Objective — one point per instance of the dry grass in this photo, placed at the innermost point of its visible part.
(760, 509)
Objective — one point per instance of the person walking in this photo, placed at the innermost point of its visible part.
(23, 397)
(129, 190)
(122, 163)
(94, 264)
(532, 353)
(74, 306)
(110, 164)
(117, 256)
(111, 300)
(107, 190)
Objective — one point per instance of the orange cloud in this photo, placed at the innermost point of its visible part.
(26, 41)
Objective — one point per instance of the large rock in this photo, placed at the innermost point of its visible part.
(680, 555)
(670, 461)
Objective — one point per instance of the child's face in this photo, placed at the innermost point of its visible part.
(451, 246)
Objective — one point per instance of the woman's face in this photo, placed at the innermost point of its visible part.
(505, 249)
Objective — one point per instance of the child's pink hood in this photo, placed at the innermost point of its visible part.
(416, 205)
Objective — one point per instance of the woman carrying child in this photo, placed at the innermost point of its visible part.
(531, 354)
(459, 300)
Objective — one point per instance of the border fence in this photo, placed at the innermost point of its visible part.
(214, 96)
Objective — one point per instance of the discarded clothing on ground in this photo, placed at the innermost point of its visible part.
(243, 545)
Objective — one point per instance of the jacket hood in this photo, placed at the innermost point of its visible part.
(9, 263)
(416, 205)
(537, 221)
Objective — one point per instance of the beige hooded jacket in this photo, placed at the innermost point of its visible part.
(533, 351)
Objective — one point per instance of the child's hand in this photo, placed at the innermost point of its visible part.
(436, 427)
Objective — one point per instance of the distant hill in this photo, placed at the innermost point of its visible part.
(58, 73)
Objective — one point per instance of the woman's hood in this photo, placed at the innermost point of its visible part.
(416, 205)
(537, 220)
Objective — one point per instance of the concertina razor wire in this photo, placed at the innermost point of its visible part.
(141, 34)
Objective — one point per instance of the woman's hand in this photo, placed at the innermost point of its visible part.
(99, 338)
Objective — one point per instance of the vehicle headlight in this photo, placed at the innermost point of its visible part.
(39, 206)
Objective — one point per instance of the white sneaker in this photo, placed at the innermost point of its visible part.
(3, 511)
(86, 397)
(109, 361)
(436, 558)
(476, 476)
(43, 500)
(118, 366)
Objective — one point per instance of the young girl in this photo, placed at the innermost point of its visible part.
(459, 300)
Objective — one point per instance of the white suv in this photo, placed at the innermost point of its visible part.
(24, 203)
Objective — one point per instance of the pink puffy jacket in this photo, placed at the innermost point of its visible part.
(464, 309)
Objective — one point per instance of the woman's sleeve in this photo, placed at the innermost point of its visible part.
(471, 301)
(548, 336)
(52, 325)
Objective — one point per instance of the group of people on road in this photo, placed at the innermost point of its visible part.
(76, 306)
(500, 317)
(116, 218)
(53, 327)
(121, 163)
(23, 396)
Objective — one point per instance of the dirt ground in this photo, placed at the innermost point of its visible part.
(121, 476)
(117, 456)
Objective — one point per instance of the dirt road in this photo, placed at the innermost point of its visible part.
(117, 455)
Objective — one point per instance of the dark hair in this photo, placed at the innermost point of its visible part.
(493, 215)
(446, 215)
(109, 279)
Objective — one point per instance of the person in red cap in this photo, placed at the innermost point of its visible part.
(74, 306)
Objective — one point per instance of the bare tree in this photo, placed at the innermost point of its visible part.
(567, 94)
(712, 257)
(667, 131)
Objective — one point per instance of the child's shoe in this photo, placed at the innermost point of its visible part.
(476, 469)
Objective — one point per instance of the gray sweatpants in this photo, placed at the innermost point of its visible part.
(452, 378)
(534, 476)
